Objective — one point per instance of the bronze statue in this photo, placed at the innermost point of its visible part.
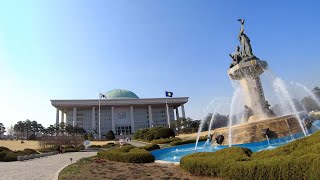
(246, 50)
(247, 113)
(236, 57)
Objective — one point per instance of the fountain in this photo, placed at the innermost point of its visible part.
(246, 68)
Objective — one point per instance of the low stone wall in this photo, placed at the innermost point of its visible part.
(251, 131)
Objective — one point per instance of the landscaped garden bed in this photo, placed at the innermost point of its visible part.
(299, 159)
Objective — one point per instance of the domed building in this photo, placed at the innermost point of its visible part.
(121, 111)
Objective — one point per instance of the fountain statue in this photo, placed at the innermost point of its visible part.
(257, 117)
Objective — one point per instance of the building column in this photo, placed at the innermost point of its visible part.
(74, 117)
(183, 112)
(93, 118)
(112, 119)
(132, 119)
(62, 115)
(57, 118)
(177, 113)
(150, 116)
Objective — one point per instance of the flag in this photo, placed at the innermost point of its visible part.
(169, 94)
(102, 96)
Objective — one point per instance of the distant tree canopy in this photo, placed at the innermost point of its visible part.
(218, 121)
(24, 129)
(154, 133)
(185, 125)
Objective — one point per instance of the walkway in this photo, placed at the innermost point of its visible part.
(46, 168)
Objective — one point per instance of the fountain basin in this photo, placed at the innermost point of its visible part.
(251, 131)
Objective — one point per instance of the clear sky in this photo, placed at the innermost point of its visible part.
(74, 49)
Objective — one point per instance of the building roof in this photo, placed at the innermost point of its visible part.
(121, 94)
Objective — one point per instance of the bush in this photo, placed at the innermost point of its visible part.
(154, 133)
(10, 156)
(109, 145)
(297, 160)
(4, 149)
(110, 135)
(2, 155)
(81, 147)
(165, 141)
(188, 141)
(128, 154)
(94, 146)
(151, 147)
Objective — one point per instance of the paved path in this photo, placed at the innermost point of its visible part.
(46, 168)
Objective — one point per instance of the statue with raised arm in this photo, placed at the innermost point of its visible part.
(246, 50)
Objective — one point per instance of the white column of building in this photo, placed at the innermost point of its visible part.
(93, 118)
(112, 119)
(177, 113)
(150, 116)
(62, 115)
(132, 119)
(183, 112)
(57, 118)
(74, 117)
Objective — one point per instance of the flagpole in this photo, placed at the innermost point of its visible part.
(167, 111)
(99, 116)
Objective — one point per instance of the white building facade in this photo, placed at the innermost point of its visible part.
(122, 111)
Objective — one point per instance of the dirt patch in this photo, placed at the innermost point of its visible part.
(92, 168)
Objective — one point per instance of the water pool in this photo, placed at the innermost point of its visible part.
(174, 154)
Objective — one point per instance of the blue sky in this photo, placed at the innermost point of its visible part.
(74, 49)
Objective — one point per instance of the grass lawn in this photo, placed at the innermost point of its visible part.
(17, 145)
(93, 168)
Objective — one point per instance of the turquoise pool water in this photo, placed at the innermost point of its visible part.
(174, 154)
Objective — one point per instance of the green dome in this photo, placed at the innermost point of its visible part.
(121, 94)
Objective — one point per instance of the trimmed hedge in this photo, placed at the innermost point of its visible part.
(297, 160)
(151, 147)
(128, 154)
(165, 141)
(188, 141)
(8, 155)
(95, 146)
(109, 145)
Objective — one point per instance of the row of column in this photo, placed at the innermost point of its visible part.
(93, 117)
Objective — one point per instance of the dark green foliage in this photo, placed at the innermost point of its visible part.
(2, 155)
(110, 135)
(188, 141)
(297, 160)
(151, 147)
(10, 156)
(81, 147)
(4, 148)
(94, 146)
(90, 136)
(129, 154)
(109, 145)
(154, 133)
(85, 136)
(165, 141)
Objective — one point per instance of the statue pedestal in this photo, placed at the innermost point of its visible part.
(248, 73)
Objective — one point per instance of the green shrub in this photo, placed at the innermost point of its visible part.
(297, 160)
(109, 145)
(110, 135)
(10, 156)
(28, 151)
(188, 141)
(94, 146)
(3, 154)
(165, 141)
(151, 147)
(4, 149)
(81, 147)
(129, 154)
(154, 133)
